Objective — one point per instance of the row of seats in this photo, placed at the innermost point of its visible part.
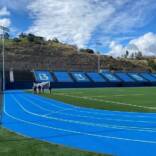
(61, 79)
(103, 77)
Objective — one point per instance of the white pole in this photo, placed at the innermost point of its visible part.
(98, 55)
(3, 58)
(4, 29)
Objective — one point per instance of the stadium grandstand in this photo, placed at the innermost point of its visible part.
(63, 79)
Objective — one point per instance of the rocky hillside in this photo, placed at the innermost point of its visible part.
(29, 53)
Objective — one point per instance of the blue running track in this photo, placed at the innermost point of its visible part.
(116, 133)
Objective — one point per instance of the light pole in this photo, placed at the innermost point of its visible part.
(4, 30)
(98, 57)
(98, 61)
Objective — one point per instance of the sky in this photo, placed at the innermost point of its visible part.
(108, 26)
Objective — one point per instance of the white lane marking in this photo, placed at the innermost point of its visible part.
(150, 130)
(43, 108)
(57, 112)
(108, 101)
(120, 95)
(75, 115)
(52, 104)
(112, 95)
(77, 132)
(104, 114)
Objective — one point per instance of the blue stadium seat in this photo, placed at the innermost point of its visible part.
(43, 76)
(96, 77)
(148, 77)
(110, 77)
(124, 77)
(153, 74)
(80, 77)
(137, 77)
(63, 77)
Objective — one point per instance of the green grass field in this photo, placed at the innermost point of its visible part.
(12, 144)
(117, 99)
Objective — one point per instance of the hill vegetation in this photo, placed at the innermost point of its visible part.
(29, 52)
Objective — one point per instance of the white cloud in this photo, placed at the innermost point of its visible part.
(4, 21)
(130, 16)
(146, 44)
(116, 49)
(69, 20)
(4, 12)
(75, 21)
(17, 5)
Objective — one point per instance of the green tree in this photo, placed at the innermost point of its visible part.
(55, 40)
(152, 64)
(139, 55)
(17, 40)
(90, 51)
(22, 35)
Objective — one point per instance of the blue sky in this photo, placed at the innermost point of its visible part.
(109, 26)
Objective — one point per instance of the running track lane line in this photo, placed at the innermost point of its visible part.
(83, 116)
(152, 130)
(86, 110)
(74, 132)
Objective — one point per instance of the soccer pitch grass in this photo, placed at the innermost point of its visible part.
(116, 99)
